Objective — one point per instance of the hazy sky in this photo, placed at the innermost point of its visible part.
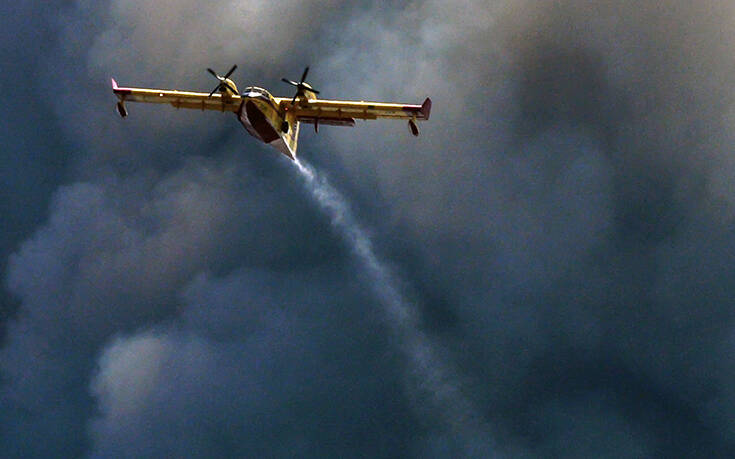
(547, 271)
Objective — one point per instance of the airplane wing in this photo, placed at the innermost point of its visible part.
(344, 113)
(179, 99)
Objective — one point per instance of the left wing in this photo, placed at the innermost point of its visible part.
(179, 99)
(344, 113)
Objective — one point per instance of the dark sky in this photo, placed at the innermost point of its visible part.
(547, 271)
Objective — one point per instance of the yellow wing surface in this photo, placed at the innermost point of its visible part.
(335, 112)
(179, 99)
(344, 113)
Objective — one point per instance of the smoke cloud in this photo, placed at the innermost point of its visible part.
(560, 236)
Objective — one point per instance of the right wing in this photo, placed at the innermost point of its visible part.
(179, 99)
(344, 113)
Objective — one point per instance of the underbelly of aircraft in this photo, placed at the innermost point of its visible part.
(261, 121)
(256, 123)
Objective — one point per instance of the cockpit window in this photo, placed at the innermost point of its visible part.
(255, 92)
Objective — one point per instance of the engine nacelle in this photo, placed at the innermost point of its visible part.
(121, 109)
(228, 88)
(413, 127)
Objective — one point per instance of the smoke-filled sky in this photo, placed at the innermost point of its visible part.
(547, 271)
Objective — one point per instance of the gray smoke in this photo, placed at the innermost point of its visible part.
(562, 230)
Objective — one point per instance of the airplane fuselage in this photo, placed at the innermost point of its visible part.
(261, 115)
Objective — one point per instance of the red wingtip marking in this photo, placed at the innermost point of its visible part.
(117, 90)
(426, 108)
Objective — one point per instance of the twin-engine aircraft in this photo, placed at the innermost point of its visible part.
(275, 120)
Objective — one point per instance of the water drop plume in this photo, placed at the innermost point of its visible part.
(431, 381)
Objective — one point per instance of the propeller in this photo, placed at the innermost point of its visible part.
(222, 81)
(300, 86)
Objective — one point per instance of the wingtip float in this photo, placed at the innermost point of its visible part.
(275, 120)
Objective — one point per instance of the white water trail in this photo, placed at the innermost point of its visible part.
(433, 384)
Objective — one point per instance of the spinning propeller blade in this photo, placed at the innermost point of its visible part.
(222, 81)
(234, 67)
(303, 77)
(301, 86)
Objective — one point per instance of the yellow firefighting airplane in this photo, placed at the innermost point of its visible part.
(275, 120)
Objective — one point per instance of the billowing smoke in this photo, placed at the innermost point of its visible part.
(563, 228)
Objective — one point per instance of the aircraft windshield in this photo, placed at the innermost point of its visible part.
(254, 91)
